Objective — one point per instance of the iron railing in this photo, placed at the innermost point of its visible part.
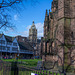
(15, 68)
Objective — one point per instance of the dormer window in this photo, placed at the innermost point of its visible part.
(72, 35)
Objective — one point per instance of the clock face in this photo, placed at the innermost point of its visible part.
(33, 27)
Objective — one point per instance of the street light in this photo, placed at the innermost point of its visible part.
(1, 48)
(18, 51)
(1, 45)
(35, 51)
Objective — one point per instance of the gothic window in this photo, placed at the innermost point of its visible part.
(72, 34)
(0, 41)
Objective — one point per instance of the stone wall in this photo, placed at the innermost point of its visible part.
(62, 32)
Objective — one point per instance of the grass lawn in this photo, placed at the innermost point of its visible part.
(29, 73)
(25, 62)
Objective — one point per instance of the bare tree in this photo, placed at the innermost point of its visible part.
(6, 6)
(5, 18)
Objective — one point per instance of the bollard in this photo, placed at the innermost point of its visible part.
(49, 72)
(14, 68)
(46, 72)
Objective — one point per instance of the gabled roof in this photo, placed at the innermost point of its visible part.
(9, 39)
(25, 46)
(22, 45)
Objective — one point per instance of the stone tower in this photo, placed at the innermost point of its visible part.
(66, 29)
(59, 32)
(33, 33)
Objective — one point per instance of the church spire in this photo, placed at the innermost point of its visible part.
(54, 6)
(46, 16)
(46, 13)
(49, 14)
(49, 11)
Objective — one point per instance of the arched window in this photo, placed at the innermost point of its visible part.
(72, 35)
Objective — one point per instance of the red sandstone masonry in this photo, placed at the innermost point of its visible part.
(64, 17)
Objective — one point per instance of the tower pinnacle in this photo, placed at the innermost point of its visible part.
(46, 13)
(33, 21)
(46, 16)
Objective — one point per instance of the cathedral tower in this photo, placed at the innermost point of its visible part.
(66, 27)
(61, 25)
(33, 33)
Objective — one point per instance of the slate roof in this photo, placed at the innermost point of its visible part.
(22, 45)
(9, 39)
(25, 46)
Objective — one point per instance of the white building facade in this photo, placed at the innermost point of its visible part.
(10, 46)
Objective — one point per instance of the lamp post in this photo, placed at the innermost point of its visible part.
(18, 51)
(6, 51)
(34, 51)
(1, 42)
(1, 47)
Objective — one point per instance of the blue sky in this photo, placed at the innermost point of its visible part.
(22, 19)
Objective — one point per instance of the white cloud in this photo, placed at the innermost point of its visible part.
(10, 30)
(15, 17)
(39, 27)
(24, 33)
